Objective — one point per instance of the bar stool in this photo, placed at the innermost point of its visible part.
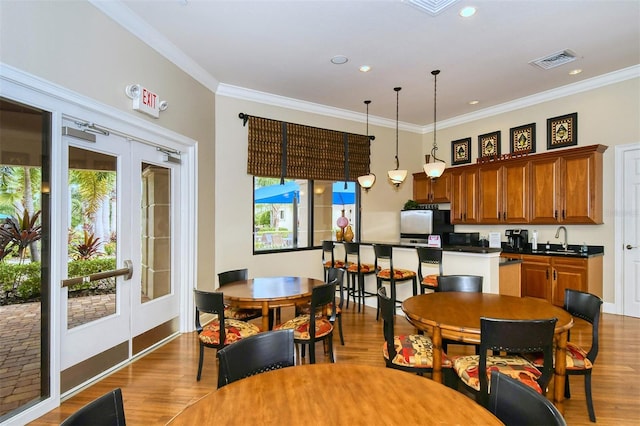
(430, 257)
(384, 254)
(328, 258)
(356, 272)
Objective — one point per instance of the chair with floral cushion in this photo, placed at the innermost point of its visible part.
(220, 331)
(230, 311)
(430, 257)
(356, 273)
(387, 273)
(513, 337)
(309, 329)
(329, 259)
(411, 352)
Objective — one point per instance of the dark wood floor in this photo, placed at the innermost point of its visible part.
(159, 385)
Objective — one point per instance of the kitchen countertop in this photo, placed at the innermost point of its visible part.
(465, 249)
(556, 250)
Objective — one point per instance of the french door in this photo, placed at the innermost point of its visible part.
(120, 295)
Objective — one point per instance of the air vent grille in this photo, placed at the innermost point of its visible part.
(432, 7)
(554, 60)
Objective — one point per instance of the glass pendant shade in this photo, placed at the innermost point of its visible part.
(434, 170)
(367, 181)
(397, 176)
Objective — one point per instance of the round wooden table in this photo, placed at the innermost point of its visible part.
(456, 316)
(335, 394)
(268, 293)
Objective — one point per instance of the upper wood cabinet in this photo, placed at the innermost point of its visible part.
(563, 186)
(464, 194)
(503, 192)
(426, 190)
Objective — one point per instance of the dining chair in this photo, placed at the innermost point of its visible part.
(233, 312)
(516, 404)
(461, 283)
(430, 257)
(333, 275)
(356, 273)
(257, 354)
(407, 352)
(220, 331)
(384, 255)
(585, 306)
(107, 410)
(513, 337)
(309, 329)
(328, 258)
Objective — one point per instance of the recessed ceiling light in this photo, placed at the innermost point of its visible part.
(339, 60)
(474, 102)
(576, 71)
(365, 68)
(467, 11)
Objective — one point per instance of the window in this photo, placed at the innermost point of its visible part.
(300, 213)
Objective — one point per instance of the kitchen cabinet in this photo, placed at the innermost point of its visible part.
(464, 194)
(427, 190)
(547, 277)
(567, 188)
(503, 189)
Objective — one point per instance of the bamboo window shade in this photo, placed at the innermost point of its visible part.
(309, 152)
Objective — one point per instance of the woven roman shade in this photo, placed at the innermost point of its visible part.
(295, 151)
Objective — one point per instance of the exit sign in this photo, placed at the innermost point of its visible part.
(146, 101)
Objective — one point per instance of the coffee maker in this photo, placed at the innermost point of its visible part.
(517, 238)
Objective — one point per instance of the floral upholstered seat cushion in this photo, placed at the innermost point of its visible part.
(414, 350)
(304, 310)
(300, 326)
(234, 329)
(514, 366)
(336, 264)
(576, 358)
(398, 274)
(430, 280)
(365, 268)
(240, 314)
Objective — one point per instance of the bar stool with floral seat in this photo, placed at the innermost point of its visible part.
(384, 255)
(430, 257)
(356, 273)
(329, 259)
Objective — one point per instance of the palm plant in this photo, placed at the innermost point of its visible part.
(21, 232)
(86, 249)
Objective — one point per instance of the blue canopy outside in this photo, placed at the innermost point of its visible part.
(344, 196)
(277, 194)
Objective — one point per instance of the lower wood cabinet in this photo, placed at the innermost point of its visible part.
(547, 277)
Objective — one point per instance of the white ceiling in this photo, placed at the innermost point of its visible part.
(283, 48)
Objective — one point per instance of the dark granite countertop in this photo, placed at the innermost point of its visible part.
(556, 250)
(464, 249)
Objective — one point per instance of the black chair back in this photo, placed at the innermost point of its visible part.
(430, 256)
(231, 276)
(519, 337)
(336, 275)
(210, 303)
(516, 404)
(257, 354)
(387, 312)
(108, 410)
(462, 283)
(587, 307)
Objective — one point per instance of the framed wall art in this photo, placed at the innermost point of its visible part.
(562, 131)
(489, 144)
(461, 151)
(523, 139)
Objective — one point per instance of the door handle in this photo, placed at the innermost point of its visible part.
(629, 247)
(127, 271)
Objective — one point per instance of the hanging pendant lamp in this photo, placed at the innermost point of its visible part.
(367, 181)
(435, 169)
(397, 176)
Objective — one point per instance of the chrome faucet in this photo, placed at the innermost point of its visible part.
(564, 244)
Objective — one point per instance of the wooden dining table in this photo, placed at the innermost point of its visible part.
(456, 316)
(266, 293)
(335, 394)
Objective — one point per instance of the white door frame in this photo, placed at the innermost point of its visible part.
(31, 90)
(620, 151)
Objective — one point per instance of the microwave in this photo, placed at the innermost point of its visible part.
(461, 239)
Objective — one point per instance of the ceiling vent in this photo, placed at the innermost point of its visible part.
(432, 7)
(554, 60)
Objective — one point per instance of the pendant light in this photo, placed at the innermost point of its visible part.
(397, 176)
(367, 181)
(435, 169)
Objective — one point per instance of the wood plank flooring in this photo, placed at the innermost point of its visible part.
(157, 386)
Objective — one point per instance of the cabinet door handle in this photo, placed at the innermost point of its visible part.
(554, 274)
(547, 273)
(563, 215)
(504, 216)
(555, 214)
